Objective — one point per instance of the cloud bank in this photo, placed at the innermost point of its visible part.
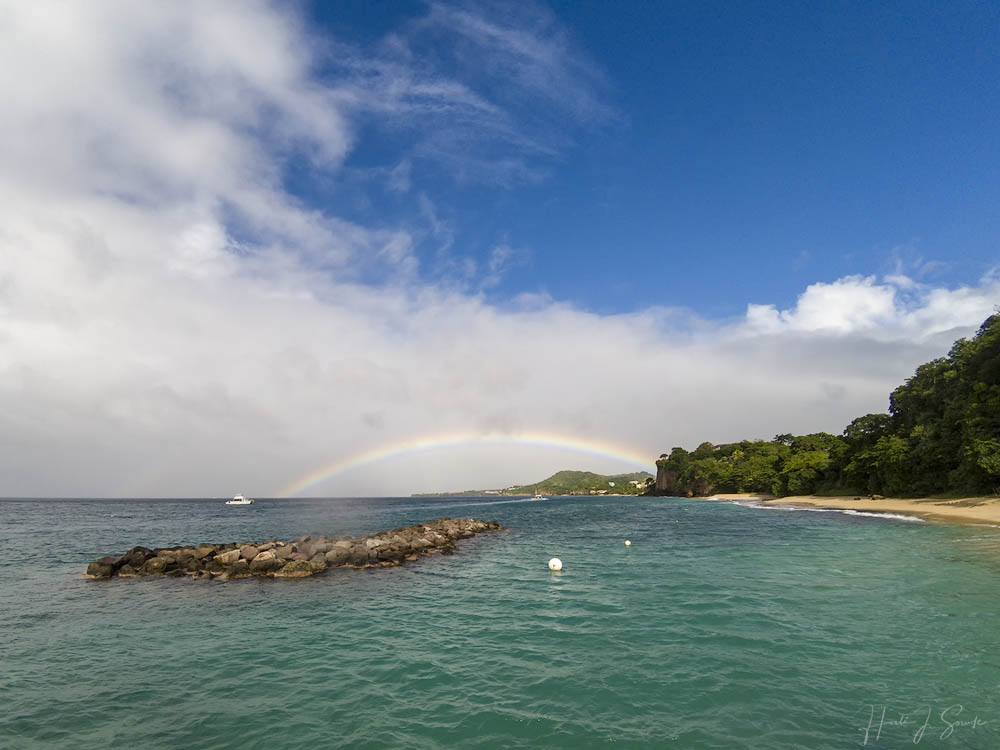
(176, 320)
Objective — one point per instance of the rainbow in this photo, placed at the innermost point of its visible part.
(625, 455)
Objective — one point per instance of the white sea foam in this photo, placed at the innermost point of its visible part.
(843, 511)
(876, 514)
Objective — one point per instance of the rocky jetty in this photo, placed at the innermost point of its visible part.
(300, 559)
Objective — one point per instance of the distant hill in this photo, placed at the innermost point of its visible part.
(583, 482)
(566, 483)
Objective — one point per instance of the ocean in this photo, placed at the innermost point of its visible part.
(722, 626)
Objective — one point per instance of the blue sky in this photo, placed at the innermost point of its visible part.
(742, 150)
(242, 241)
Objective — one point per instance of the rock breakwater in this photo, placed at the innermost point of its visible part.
(299, 559)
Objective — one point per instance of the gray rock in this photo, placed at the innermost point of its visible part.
(392, 553)
(113, 561)
(307, 556)
(264, 565)
(100, 571)
(155, 566)
(296, 569)
(228, 558)
(137, 556)
(338, 555)
(239, 569)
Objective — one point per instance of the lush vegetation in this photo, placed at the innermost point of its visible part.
(567, 483)
(940, 436)
(583, 482)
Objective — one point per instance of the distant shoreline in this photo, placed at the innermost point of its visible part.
(966, 510)
(521, 495)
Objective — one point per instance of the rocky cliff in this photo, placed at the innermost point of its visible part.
(666, 481)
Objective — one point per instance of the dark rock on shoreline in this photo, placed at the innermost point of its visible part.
(300, 559)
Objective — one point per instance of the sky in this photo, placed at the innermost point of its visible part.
(375, 248)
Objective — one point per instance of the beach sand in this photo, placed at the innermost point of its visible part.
(977, 510)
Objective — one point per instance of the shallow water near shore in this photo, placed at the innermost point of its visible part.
(720, 627)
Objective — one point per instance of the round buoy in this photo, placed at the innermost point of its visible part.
(628, 543)
(555, 564)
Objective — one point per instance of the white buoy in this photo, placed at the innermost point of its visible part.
(628, 543)
(555, 564)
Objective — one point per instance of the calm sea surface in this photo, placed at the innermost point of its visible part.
(721, 627)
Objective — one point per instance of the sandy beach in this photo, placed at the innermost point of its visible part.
(977, 510)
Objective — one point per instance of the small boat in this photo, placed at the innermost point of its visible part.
(240, 500)
(539, 496)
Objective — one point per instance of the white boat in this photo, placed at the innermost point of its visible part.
(539, 496)
(240, 500)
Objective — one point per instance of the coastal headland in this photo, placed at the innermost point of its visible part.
(967, 510)
(566, 482)
(305, 557)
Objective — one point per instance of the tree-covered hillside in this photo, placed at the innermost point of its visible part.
(567, 483)
(941, 435)
(582, 482)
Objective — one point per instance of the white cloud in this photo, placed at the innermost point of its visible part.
(399, 177)
(503, 258)
(897, 308)
(525, 43)
(172, 321)
(900, 281)
(844, 306)
(440, 229)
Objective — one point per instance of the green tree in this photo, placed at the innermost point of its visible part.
(942, 433)
(803, 472)
(891, 458)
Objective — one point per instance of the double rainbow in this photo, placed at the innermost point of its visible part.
(622, 454)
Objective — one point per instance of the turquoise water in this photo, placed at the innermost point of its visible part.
(721, 627)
